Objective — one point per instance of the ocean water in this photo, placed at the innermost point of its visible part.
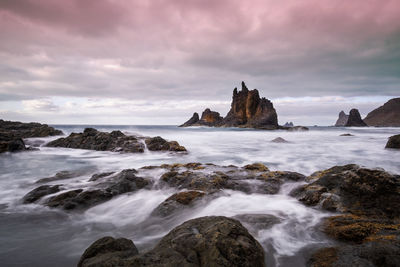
(33, 235)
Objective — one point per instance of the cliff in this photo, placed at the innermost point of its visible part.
(387, 115)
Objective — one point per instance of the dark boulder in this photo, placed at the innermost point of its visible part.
(62, 175)
(387, 115)
(159, 144)
(346, 134)
(393, 142)
(355, 119)
(108, 249)
(205, 241)
(11, 145)
(17, 129)
(40, 192)
(279, 140)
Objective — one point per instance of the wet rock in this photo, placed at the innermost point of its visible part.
(79, 199)
(108, 249)
(62, 175)
(342, 120)
(40, 192)
(387, 115)
(205, 241)
(279, 140)
(346, 134)
(393, 142)
(98, 176)
(92, 139)
(361, 191)
(159, 144)
(11, 145)
(248, 110)
(256, 222)
(177, 202)
(256, 167)
(124, 182)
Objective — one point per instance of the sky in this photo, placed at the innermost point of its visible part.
(158, 61)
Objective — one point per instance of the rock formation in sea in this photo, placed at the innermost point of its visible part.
(342, 120)
(351, 120)
(387, 115)
(115, 141)
(393, 142)
(288, 124)
(13, 132)
(248, 110)
(208, 118)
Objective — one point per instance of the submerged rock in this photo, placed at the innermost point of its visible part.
(387, 115)
(393, 142)
(256, 222)
(62, 175)
(297, 129)
(346, 134)
(205, 241)
(279, 140)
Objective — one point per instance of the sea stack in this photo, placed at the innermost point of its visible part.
(351, 120)
(248, 110)
(387, 115)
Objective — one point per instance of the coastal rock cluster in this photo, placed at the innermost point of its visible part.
(115, 141)
(351, 120)
(248, 110)
(365, 203)
(13, 132)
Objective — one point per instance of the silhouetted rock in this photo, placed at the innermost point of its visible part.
(288, 124)
(346, 134)
(342, 120)
(192, 121)
(393, 142)
(205, 241)
(248, 110)
(355, 119)
(387, 115)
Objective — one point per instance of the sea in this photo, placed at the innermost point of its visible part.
(35, 235)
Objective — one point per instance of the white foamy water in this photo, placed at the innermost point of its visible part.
(32, 235)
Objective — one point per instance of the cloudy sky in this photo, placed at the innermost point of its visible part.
(158, 61)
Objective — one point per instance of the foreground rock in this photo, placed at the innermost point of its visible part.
(354, 189)
(351, 120)
(387, 115)
(205, 241)
(115, 141)
(279, 140)
(13, 132)
(248, 110)
(369, 228)
(393, 142)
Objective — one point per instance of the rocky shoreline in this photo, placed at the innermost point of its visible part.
(364, 207)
